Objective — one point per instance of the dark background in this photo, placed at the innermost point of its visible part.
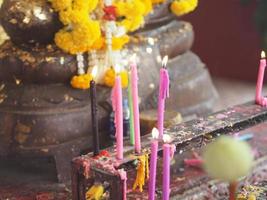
(226, 38)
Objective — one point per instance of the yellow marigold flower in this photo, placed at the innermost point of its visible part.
(119, 42)
(63, 40)
(79, 16)
(133, 11)
(85, 5)
(148, 6)
(87, 33)
(65, 16)
(130, 8)
(98, 44)
(120, 8)
(109, 78)
(158, 1)
(132, 24)
(182, 7)
(60, 5)
(134, 8)
(80, 39)
(81, 81)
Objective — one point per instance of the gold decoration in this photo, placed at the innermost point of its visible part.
(142, 172)
(95, 192)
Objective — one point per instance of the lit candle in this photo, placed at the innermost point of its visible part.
(134, 83)
(163, 94)
(130, 98)
(153, 164)
(167, 152)
(94, 112)
(259, 96)
(118, 114)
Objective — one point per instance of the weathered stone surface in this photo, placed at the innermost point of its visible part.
(191, 90)
(3, 35)
(29, 22)
(160, 16)
(49, 64)
(36, 116)
(149, 119)
(41, 65)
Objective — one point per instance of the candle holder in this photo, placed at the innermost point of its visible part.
(185, 182)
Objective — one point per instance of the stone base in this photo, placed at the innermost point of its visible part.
(50, 120)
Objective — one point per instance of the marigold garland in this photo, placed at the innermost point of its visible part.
(83, 34)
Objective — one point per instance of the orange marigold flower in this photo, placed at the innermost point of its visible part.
(109, 78)
(81, 81)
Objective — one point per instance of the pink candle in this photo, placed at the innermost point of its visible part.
(259, 97)
(118, 116)
(166, 168)
(163, 94)
(153, 164)
(134, 82)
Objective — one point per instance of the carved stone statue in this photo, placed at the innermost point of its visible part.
(40, 114)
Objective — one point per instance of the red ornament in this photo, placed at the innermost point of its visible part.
(103, 153)
(110, 13)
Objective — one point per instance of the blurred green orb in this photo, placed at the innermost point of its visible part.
(228, 159)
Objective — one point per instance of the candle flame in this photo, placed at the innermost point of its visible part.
(117, 69)
(263, 55)
(165, 61)
(155, 133)
(167, 138)
(94, 72)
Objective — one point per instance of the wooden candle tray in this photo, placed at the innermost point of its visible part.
(186, 182)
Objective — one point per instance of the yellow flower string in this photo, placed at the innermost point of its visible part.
(142, 172)
(182, 7)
